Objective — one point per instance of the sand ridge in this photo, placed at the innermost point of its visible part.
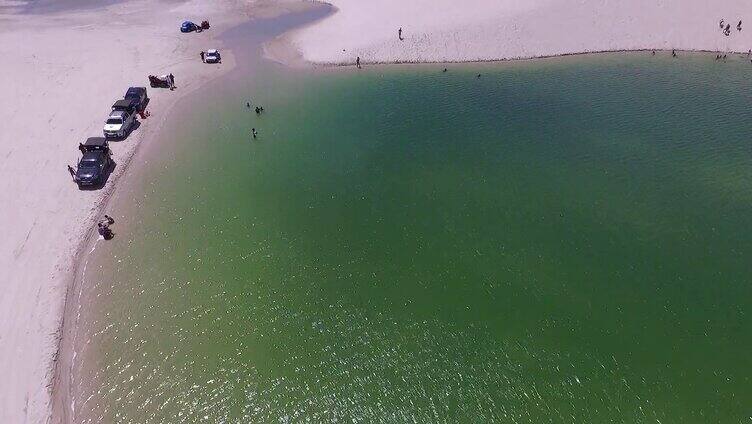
(485, 30)
(61, 74)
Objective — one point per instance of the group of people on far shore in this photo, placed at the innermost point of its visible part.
(399, 37)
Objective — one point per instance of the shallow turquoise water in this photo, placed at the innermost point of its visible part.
(556, 241)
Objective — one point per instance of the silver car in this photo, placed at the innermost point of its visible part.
(118, 124)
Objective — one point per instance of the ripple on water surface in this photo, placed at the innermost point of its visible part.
(559, 241)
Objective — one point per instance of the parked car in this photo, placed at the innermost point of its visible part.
(119, 124)
(188, 26)
(139, 95)
(95, 162)
(212, 56)
(162, 81)
(128, 105)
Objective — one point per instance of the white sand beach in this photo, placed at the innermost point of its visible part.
(483, 30)
(62, 73)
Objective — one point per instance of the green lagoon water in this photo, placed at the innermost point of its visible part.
(564, 241)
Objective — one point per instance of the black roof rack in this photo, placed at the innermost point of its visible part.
(94, 143)
(124, 104)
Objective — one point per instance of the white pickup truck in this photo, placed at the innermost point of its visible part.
(119, 124)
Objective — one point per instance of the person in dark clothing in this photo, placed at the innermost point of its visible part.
(81, 148)
(357, 62)
(399, 34)
(258, 110)
(721, 23)
(202, 56)
(172, 81)
(445, 69)
(739, 26)
(248, 105)
(673, 53)
(478, 76)
(103, 227)
(253, 132)
(653, 52)
(72, 173)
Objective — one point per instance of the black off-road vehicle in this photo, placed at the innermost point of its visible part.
(95, 162)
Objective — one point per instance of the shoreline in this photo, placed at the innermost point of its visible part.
(63, 398)
(65, 355)
(443, 31)
(39, 307)
(522, 59)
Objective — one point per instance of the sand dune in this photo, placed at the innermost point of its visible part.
(476, 30)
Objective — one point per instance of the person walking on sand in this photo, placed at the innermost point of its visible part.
(739, 26)
(202, 56)
(357, 62)
(72, 173)
(399, 34)
(721, 24)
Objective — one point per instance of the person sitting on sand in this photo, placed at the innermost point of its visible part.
(103, 227)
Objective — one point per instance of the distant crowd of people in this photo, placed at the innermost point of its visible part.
(726, 27)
